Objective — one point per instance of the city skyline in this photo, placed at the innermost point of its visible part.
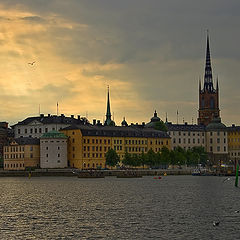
(150, 53)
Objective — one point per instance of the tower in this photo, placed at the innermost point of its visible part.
(108, 121)
(208, 95)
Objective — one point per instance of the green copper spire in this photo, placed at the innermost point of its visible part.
(108, 114)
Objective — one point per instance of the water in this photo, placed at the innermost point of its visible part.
(175, 207)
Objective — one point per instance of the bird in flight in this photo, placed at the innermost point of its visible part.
(226, 179)
(216, 223)
(31, 63)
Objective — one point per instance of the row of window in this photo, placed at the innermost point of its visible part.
(218, 140)
(234, 139)
(35, 130)
(180, 140)
(235, 154)
(218, 133)
(58, 148)
(97, 141)
(94, 148)
(218, 149)
(48, 155)
(186, 133)
(15, 149)
(13, 165)
(16, 156)
(94, 155)
(93, 165)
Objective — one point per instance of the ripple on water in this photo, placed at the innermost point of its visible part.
(175, 207)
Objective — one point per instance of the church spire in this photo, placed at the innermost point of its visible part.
(208, 82)
(108, 120)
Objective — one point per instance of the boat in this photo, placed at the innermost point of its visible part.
(196, 172)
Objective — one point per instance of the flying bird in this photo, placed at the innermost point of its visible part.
(216, 223)
(226, 179)
(31, 63)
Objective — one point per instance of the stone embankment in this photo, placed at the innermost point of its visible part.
(94, 173)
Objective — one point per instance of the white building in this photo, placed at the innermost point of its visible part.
(53, 150)
(35, 127)
(186, 136)
(217, 141)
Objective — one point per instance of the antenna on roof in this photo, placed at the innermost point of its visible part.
(192, 120)
(183, 119)
(39, 109)
(177, 116)
(57, 108)
(113, 116)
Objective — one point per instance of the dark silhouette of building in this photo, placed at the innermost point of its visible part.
(208, 95)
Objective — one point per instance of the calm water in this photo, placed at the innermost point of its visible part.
(175, 207)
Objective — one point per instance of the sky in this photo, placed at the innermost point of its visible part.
(151, 54)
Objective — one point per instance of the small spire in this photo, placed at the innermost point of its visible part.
(166, 118)
(155, 113)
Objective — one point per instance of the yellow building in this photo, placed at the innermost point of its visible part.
(88, 144)
(234, 143)
(22, 153)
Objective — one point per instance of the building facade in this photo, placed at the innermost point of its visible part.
(234, 143)
(186, 135)
(87, 145)
(53, 150)
(35, 127)
(217, 142)
(208, 95)
(22, 153)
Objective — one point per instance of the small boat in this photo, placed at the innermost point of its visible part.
(196, 172)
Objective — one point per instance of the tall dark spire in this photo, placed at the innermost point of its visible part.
(108, 120)
(208, 82)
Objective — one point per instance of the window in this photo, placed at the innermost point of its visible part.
(224, 149)
(73, 133)
(211, 141)
(53, 129)
(35, 130)
(46, 148)
(31, 155)
(218, 148)
(25, 130)
(46, 130)
(211, 149)
(73, 140)
(194, 140)
(58, 154)
(218, 140)
(47, 155)
(93, 141)
(31, 148)
(73, 148)
(19, 131)
(210, 133)
(40, 130)
(179, 140)
(31, 130)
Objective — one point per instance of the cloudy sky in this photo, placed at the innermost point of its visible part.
(150, 52)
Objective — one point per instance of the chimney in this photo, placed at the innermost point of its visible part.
(233, 125)
(41, 115)
(94, 121)
(98, 122)
(49, 115)
(62, 115)
(72, 116)
(79, 117)
(143, 123)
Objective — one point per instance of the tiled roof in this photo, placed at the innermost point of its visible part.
(52, 119)
(185, 127)
(27, 141)
(117, 131)
(233, 128)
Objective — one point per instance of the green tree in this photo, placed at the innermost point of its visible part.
(150, 158)
(165, 156)
(127, 159)
(112, 158)
(160, 126)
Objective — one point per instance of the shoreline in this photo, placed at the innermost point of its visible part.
(93, 173)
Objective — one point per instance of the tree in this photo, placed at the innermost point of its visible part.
(160, 126)
(112, 158)
(127, 160)
(165, 156)
(150, 158)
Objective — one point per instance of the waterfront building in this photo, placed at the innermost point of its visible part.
(87, 145)
(22, 153)
(208, 96)
(35, 127)
(53, 150)
(186, 135)
(234, 143)
(217, 142)
(3, 136)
